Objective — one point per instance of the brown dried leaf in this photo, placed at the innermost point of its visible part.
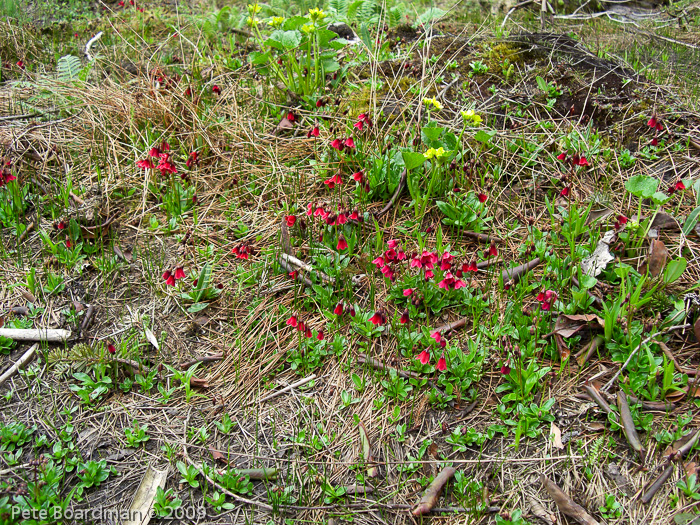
(568, 325)
(664, 221)
(199, 383)
(657, 257)
(555, 432)
(596, 427)
(563, 350)
(284, 126)
(372, 470)
(566, 504)
(540, 512)
(218, 455)
(430, 497)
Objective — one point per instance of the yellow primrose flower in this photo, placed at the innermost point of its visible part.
(433, 102)
(316, 15)
(254, 9)
(308, 28)
(251, 22)
(434, 153)
(470, 116)
(276, 21)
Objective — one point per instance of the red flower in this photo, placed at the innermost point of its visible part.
(68, 243)
(482, 197)
(145, 164)
(493, 251)
(351, 311)
(179, 273)
(338, 310)
(441, 364)
(290, 220)
(292, 321)
(61, 225)
(378, 318)
(679, 186)
(111, 348)
(342, 243)
(622, 219)
(358, 176)
(583, 162)
(404, 317)
(379, 262)
(313, 132)
(216, 89)
(654, 142)
(424, 357)
(659, 126)
(349, 143)
(470, 267)
(169, 278)
(359, 124)
(547, 299)
(652, 122)
(320, 335)
(505, 369)
(154, 152)
(308, 333)
(20, 64)
(565, 192)
(562, 156)
(436, 336)
(337, 144)
(291, 117)
(407, 292)
(192, 159)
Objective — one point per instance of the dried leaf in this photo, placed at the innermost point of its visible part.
(555, 432)
(151, 338)
(566, 504)
(596, 427)
(601, 256)
(568, 325)
(199, 383)
(664, 221)
(540, 512)
(284, 126)
(142, 504)
(628, 424)
(431, 494)
(657, 257)
(218, 456)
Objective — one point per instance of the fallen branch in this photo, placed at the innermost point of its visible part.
(587, 351)
(26, 231)
(567, 505)
(44, 335)
(482, 237)
(513, 275)
(654, 488)
(353, 490)
(451, 326)
(87, 320)
(628, 425)
(430, 497)
(297, 275)
(19, 364)
(598, 399)
(293, 261)
(259, 474)
(397, 192)
(489, 262)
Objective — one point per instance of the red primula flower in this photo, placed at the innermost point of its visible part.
(359, 125)
(145, 164)
(291, 117)
(337, 144)
(308, 333)
(404, 317)
(407, 292)
(620, 222)
(192, 159)
(654, 142)
(338, 310)
(423, 357)
(505, 369)
(179, 273)
(359, 176)
(351, 311)
(61, 225)
(547, 299)
(290, 220)
(441, 364)
(301, 326)
(154, 152)
(470, 267)
(379, 262)
(111, 348)
(169, 278)
(679, 186)
(320, 335)
(378, 318)
(292, 321)
(493, 251)
(565, 192)
(659, 126)
(583, 161)
(436, 336)
(652, 122)
(349, 143)
(216, 89)
(313, 132)
(561, 156)
(342, 243)
(482, 197)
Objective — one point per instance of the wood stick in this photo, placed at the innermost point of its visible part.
(397, 192)
(293, 261)
(48, 335)
(203, 359)
(299, 276)
(628, 425)
(513, 275)
(288, 388)
(20, 363)
(654, 488)
(451, 326)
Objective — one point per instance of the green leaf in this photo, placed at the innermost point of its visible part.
(542, 84)
(284, 39)
(68, 68)
(431, 133)
(642, 186)
(484, 136)
(674, 269)
(412, 159)
(587, 282)
(257, 58)
(691, 221)
(366, 37)
(660, 197)
(197, 307)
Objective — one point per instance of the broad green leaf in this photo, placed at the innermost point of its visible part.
(431, 133)
(674, 269)
(412, 159)
(642, 186)
(691, 221)
(197, 307)
(541, 83)
(256, 58)
(284, 39)
(660, 197)
(484, 136)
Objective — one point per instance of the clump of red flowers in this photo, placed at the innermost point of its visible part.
(6, 174)
(171, 276)
(243, 250)
(362, 120)
(575, 161)
(547, 299)
(216, 89)
(620, 222)
(678, 186)
(379, 318)
(655, 123)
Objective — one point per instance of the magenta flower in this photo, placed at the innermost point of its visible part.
(111, 348)
(216, 89)
(652, 122)
(493, 252)
(145, 164)
(320, 335)
(404, 317)
(292, 321)
(547, 299)
(378, 318)
(482, 197)
(436, 336)
(342, 243)
(337, 144)
(423, 357)
(349, 143)
(565, 192)
(358, 125)
(358, 176)
(290, 220)
(169, 278)
(179, 273)
(505, 369)
(379, 262)
(441, 364)
(313, 132)
(338, 310)
(407, 292)
(561, 156)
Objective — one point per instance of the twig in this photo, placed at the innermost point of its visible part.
(90, 44)
(480, 237)
(430, 497)
(634, 352)
(203, 359)
(595, 396)
(48, 335)
(26, 231)
(654, 488)
(397, 192)
(20, 363)
(293, 261)
(489, 262)
(288, 388)
(87, 320)
(587, 351)
(513, 275)
(298, 276)
(77, 199)
(451, 326)
(628, 425)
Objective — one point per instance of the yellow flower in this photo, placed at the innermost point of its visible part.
(433, 102)
(276, 21)
(316, 15)
(434, 153)
(471, 117)
(254, 9)
(251, 22)
(308, 28)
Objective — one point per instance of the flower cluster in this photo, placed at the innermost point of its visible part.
(547, 299)
(678, 186)
(387, 261)
(362, 121)
(301, 326)
(243, 250)
(340, 309)
(432, 103)
(379, 318)
(424, 356)
(620, 221)
(170, 277)
(471, 118)
(575, 161)
(333, 219)
(6, 174)
(341, 144)
(655, 123)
